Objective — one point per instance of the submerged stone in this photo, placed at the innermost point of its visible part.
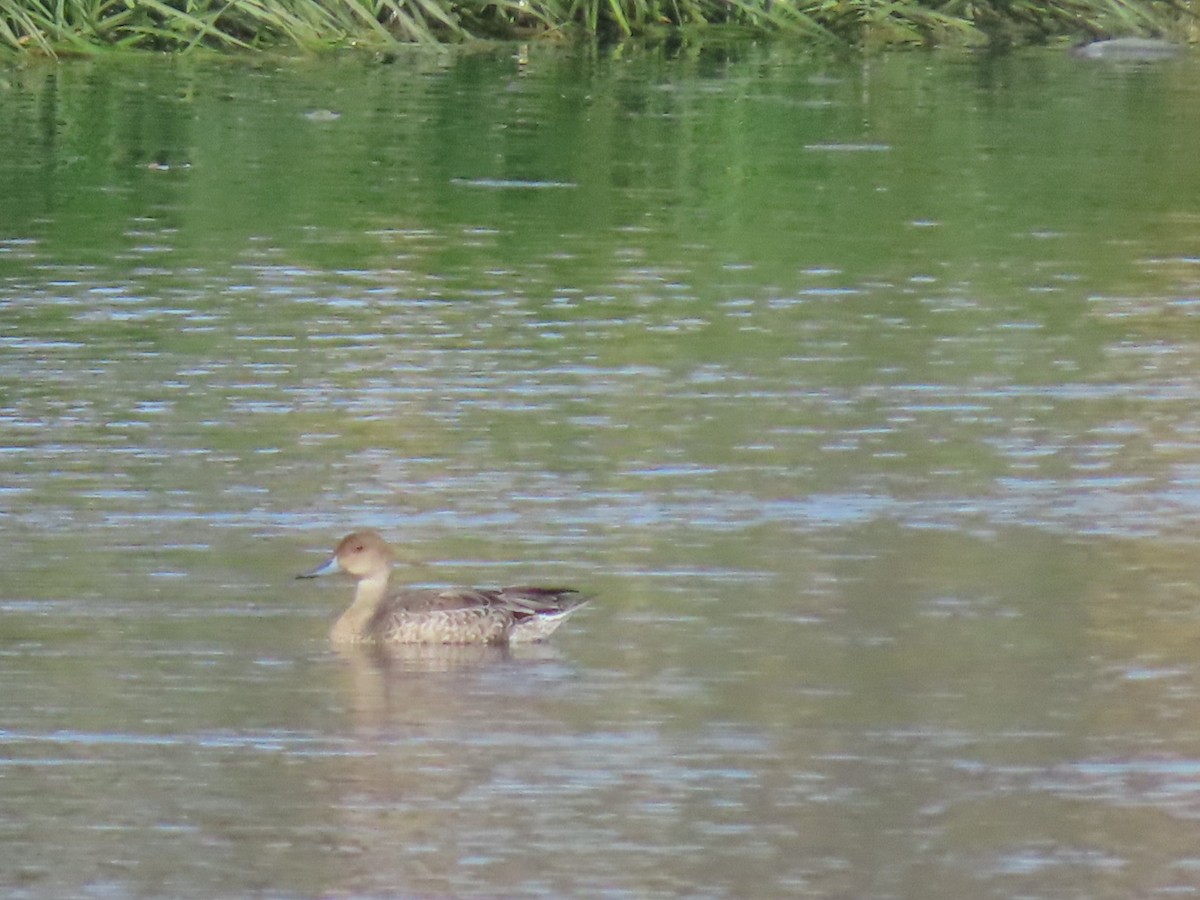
(1132, 48)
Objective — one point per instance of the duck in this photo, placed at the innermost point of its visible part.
(456, 615)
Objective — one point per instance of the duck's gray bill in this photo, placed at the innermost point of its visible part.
(329, 567)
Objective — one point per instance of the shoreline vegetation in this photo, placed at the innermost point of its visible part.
(84, 27)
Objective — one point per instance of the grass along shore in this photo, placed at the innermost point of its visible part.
(57, 27)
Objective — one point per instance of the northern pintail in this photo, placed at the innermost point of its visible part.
(436, 615)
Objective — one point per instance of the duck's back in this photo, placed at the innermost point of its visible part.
(473, 615)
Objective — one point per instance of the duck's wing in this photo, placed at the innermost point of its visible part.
(432, 600)
(540, 601)
(537, 611)
(517, 601)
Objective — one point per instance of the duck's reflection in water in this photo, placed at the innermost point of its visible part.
(427, 684)
(439, 732)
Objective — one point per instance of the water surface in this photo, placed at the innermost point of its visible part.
(864, 393)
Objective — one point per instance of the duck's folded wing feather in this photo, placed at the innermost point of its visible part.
(519, 601)
(428, 600)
